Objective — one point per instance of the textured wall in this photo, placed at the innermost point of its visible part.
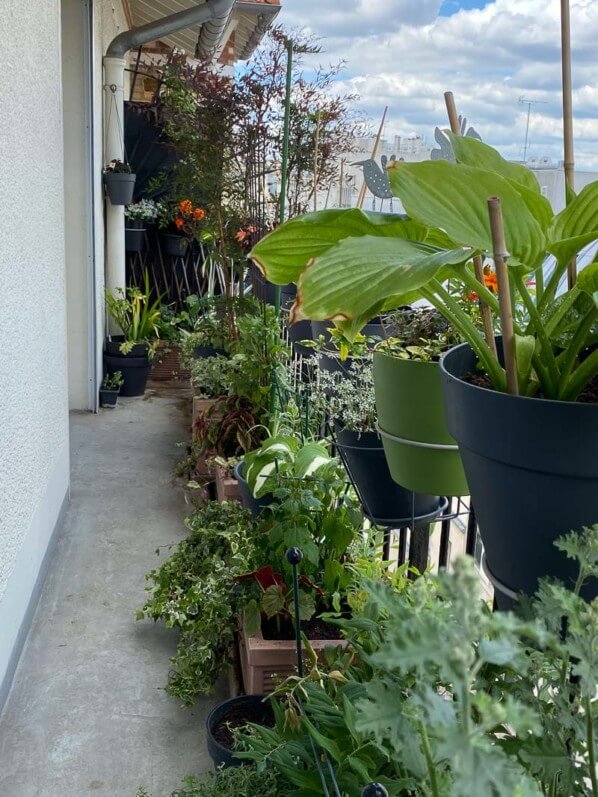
(33, 377)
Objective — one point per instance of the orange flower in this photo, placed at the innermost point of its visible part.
(491, 281)
(179, 223)
(241, 236)
(471, 296)
(185, 207)
(199, 214)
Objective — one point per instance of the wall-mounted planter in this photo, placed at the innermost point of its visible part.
(264, 662)
(532, 469)
(421, 454)
(174, 245)
(134, 235)
(119, 187)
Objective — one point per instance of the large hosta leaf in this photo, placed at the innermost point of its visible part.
(472, 152)
(454, 197)
(576, 226)
(283, 254)
(355, 276)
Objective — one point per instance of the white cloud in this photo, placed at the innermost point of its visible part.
(402, 54)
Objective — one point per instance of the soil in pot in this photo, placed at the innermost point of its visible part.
(383, 498)
(229, 716)
(533, 473)
(313, 629)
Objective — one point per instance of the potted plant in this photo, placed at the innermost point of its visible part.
(180, 222)
(438, 695)
(528, 458)
(234, 715)
(119, 182)
(136, 217)
(137, 316)
(348, 398)
(110, 388)
(420, 452)
(312, 511)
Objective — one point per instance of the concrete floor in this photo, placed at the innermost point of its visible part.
(87, 714)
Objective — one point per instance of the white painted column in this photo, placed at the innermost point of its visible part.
(114, 119)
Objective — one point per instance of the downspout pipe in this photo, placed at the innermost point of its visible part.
(114, 112)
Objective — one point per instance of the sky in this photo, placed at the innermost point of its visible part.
(407, 53)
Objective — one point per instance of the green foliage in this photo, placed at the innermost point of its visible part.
(420, 334)
(441, 697)
(196, 590)
(349, 268)
(136, 315)
(112, 381)
(232, 782)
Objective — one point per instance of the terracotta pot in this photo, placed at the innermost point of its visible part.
(166, 366)
(200, 406)
(227, 488)
(265, 662)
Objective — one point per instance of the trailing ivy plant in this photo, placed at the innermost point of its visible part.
(196, 591)
(350, 265)
(439, 696)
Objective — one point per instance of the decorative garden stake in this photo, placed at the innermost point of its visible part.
(504, 295)
(294, 556)
(478, 263)
(374, 790)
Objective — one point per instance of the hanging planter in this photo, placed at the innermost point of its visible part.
(119, 182)
(383, 498)
(174, 245)
(134, 236)
(533, 474)
(421, 454)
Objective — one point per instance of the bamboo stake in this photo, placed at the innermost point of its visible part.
(501, 255)
(451, 110)
(478, 263)
(569, 162)
(341, 193)
(374, 152)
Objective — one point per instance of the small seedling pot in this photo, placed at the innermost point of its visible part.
(108, 398)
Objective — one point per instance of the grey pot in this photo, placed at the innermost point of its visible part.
(119, 187)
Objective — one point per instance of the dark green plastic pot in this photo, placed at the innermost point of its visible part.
(421, 454)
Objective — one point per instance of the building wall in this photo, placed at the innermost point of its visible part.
(83, 117)
(34, 462)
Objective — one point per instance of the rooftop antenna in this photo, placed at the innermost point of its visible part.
(529, 103)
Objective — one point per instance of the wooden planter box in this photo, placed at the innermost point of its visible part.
(227, 488)
(200, 406)
(266, 662)
(167, 364)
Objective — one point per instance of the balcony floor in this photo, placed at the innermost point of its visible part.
(87, 714)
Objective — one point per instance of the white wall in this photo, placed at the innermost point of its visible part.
(83, 173)
(34, 463)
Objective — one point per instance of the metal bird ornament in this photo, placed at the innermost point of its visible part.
(445, 153)
(376, 178)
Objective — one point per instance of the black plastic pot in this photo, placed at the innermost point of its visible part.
(134, 235)
(112, 347)
(202, 352)
(254, 707)
(174, 245)
(532, 470)
(108, 398)
(383, 499)
(135, 373)
(288, 293)
(255, 505)
(119, 187)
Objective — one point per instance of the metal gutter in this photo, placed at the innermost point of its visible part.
(198, 15)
